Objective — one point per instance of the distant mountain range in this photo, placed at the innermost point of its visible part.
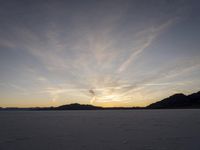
(178, 101)
(74, 106)
(173, 102)
(77, 106)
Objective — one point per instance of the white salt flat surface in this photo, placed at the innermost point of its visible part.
(100, 130)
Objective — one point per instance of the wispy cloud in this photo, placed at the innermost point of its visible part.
(146, 37)
(92, 53)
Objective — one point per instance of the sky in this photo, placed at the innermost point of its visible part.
(100, 52)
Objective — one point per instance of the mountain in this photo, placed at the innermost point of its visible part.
(195, 98)
(77, 106)
(178, 101)
(175, 101)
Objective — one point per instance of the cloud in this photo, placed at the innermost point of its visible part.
(179, 69)
(146, 37)
(88, 53)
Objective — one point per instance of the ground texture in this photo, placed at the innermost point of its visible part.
(100, 130)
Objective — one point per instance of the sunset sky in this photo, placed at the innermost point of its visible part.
(99, 52)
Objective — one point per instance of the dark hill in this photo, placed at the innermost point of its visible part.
(195, 98)
(77, 106)
(178, 101)
(174, 101)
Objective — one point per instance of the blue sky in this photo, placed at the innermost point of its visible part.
(107, 53)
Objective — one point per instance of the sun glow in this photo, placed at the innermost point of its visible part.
(105, 95)
(130, 54)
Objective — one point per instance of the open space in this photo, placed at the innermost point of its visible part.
(100, 130)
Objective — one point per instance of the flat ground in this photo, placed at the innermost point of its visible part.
(100, 130)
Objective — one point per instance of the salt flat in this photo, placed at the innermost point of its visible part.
(100, 130)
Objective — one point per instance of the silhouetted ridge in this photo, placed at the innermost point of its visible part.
(178, 101)
(77, 106)
(175, 101)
